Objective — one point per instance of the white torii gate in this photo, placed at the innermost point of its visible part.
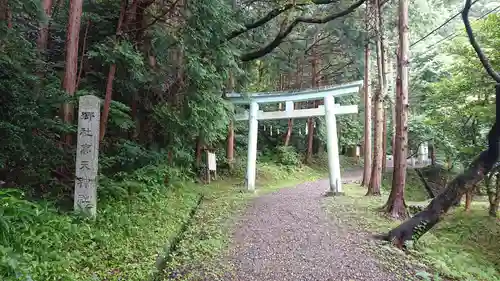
(330, 110)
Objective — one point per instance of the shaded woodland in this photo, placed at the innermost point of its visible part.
(162, 69)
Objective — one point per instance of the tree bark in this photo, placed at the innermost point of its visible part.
(384, 142)
(71, 60)
(393, 105)
(43, 35)
(494, 196)
(111, 78)
(395, 205)
(82, 60)
(230, 145)
(310, 139)
(376, 171)
(298, 85)
(468, 199)
(310, 120)
(367, 151)
(288, 134)
(376, 176)
(230, 133)
(199, 150)
(5, 13)
(433, 154)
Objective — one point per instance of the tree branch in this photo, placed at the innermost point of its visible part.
(268, 17)
(335, 72)
(315, 43)
(274, 13)
(157, 18)
(283, 34)
(473, 42)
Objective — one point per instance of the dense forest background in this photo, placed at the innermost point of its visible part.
(162, 69)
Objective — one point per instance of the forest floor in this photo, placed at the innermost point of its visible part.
(299, 234)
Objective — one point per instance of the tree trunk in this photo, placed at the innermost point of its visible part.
(433, 154)
(134, 114)
(494, 197)
(111, 78)
(396, 206)
(310, 138)
(393, 105)
(422, 222)
(468, 200)
(367, 151)
(230, 132)
(71, 60)
(43, 35)
(5, 13)
(230, 145)
(288, 134)
(310, 120)
(384, 143)
(199, 150)
(376, 172)
(376, 176)
(84, 47)
(298, 85)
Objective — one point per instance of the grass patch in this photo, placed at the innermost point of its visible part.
(38, 242)
(320, 162)
(464, 246)
(200, 253)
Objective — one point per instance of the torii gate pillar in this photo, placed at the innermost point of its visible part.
(332, 146)
(253, 127)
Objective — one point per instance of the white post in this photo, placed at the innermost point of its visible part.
(426, 153)
(421, 154)
(332, 147)
(252, 146)
(87, 155)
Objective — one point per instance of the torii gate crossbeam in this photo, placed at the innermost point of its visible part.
(329, 110)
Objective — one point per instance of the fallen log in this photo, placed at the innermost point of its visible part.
(421, 223)
(415, 227)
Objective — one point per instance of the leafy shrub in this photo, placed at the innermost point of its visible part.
(126, 156)
(147, 181)
(288, 156)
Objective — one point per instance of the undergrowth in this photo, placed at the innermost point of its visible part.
(38, 242)
(414, 188)
(463, 246)
(320, 162)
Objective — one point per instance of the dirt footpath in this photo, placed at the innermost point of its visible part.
(286, 235)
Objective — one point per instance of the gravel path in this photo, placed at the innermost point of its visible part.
(287, 236)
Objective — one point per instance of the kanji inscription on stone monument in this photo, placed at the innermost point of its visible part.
(87, 153)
